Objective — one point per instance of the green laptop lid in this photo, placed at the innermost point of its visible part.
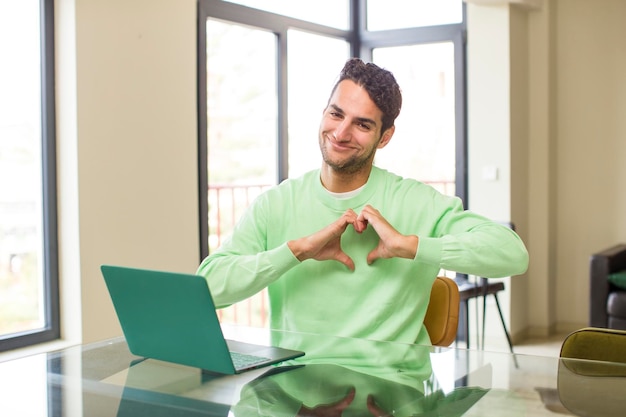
(168, 316)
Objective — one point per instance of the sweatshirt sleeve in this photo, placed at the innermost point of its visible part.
(468, 243)
(244, 265)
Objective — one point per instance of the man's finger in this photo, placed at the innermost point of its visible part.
(346, 260)
(374, 408)
(360, 225)
(372, 256)
(347, 400)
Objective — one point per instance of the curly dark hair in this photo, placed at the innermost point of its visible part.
(380, 85)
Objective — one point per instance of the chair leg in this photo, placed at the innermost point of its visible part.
(478, 345)
(463, 324)
(467, 332)
(508, 336)
(484, 284)
(484, 319)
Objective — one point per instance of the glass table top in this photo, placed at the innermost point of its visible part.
(360, 378)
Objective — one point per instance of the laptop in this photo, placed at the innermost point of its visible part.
(171, 317)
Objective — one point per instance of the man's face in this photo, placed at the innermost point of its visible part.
(350, 130)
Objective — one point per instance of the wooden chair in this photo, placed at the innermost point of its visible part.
(481, 288)
(442, 316)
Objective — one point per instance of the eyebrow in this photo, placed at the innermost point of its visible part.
(363, 120)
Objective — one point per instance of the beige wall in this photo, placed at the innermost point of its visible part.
(547, 93)
(490, 132)
(563, 104)
(127, 148)
(590, 61)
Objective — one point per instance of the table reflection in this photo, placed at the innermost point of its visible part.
(592, 388)
(374, 378)
(327, 390)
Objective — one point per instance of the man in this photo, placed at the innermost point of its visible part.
(350, 249)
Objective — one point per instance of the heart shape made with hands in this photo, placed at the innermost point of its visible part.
(391, 243)
(360, 225)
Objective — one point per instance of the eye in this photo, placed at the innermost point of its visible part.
(335, 114)
(364, 126)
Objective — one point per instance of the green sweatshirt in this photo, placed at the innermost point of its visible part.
(384, 301)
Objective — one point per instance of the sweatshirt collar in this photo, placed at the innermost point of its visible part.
(356, 201)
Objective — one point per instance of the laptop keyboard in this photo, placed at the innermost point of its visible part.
(241, 360)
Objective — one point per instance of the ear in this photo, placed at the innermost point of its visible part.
(386, 137)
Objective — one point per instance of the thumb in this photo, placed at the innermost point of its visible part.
(373, 408)
(372, 256)
(346, 260)
(347, 400)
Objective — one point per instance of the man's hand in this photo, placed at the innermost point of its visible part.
(336, 409)
(326, 244)
(391, 243)
(328, 410)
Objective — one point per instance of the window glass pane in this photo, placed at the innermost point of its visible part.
(423, 145)
(398, 14)
(242, 134)
(21, 225)
(314, 64)
(242, 120)
(333, 13)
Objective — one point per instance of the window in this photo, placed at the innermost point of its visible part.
(383, 14)
(266, 69)
(242, 120)
(424, 143)
(28, 261)
(308, 88)
(334, 13)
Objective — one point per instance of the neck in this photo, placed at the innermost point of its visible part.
(341, 182)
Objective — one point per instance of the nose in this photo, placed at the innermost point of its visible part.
(342, 132)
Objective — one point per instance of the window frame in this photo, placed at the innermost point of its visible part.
(455, 33)
(51, 329)
(362, 43)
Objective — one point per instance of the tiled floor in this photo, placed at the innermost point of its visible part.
(495, 338)
(549, 346)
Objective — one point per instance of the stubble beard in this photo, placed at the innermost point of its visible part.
(349, 166)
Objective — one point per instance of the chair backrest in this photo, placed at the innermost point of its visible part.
(598, 344)
(442, 316)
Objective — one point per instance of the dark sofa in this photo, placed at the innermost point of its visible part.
(607, 306)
